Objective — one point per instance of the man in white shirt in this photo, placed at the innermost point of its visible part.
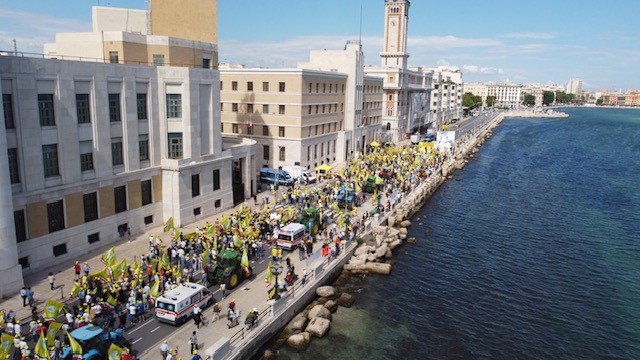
(69, 317)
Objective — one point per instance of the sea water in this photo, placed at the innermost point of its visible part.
(532, 251)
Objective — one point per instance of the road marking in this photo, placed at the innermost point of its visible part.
(156, 328)
(141, 326)
(136, 341)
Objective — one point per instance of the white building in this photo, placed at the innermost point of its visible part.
(445, 103)
(406, 91)
(574, 86)
(535, 90)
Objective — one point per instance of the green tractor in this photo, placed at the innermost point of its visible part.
(228, 270)
(310, 217)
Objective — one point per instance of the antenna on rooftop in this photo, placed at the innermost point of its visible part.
(15, 47)
(360, 35)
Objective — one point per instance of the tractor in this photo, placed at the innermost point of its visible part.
(95, 343)
(310, 217)
(228, 270)
(348, 198)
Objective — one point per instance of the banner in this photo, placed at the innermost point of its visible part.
(41, 350)
(115, 352)
(52, 309)
(110, 257)
(52, 332)
(76, 349)
(7, 342)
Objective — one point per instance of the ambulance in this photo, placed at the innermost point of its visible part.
(176, 305)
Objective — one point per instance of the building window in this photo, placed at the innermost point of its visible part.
(281, 131)
(60, 250)
(120, 198)
(197, 211)
(174, 106)
(148, 219)
(83, 109)
(216, 179)
(195, 185)
(221, 85)
(310, 87)
(50, 160)
(317, 87)
(21, 226)
(281, 153)
(265, 108)
(249, 108)
(281, 86)
(114, 108)
(309, 153)
(217, 203)
(324, 108)
(14, 169)
(90, 202)
(281, 109)
(141, 101)
(175, 145)
(206, 64)
(86, 161)
(24, 262)
(93, 238)
(158, 59)
(145, 192)
(113, 57)
(45, 109)
(322, 149)
(234, 85)
(55, 216)
(309, 107)
(249, 85)
(221, 107)
(265, 152)
(234, 107)
(234, 128)
(265, 86)
(315, 151)
(7, 104)
(249, 129)
(117, 157)
(143, 147)
(324, 88)
(265, 130)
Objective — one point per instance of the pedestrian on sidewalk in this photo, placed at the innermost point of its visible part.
(76, 269)
(304, 276)
(52, 279)
(164, 349)
(193, 341)
(86, 268)
(23, 294)
(30, 296)
(216, 312)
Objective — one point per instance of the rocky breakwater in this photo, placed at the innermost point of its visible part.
(313, 321)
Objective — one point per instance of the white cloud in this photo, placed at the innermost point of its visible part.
(475, 69)
(449, 42)
(529, 35)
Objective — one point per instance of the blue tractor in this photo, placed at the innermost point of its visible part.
(95, 342)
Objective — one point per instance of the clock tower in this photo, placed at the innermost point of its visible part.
(396, 19)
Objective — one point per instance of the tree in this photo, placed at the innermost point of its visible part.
(600, 101)
(491, 100)
(564, 98)
(529, 100)
(548, 97)
(471, 101)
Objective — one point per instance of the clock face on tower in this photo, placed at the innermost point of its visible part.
(392, 40)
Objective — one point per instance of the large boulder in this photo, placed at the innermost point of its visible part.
(405, 223)
(318, 326)
(388, 255)
(326, 291)
(346, 300)
(391, 220)
(331, 305)
(395, 244)
(319, 311)
(299, 342)
(379, 268)
(269, 355)
(393, 232)
(402, 231)
(362, 249)
(298, 323)
(371, 257)
(377, 229)
(381, 251)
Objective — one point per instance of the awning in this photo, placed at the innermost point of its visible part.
(374, 143)
(324, 167)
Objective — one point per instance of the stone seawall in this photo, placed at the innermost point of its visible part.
(285, 309)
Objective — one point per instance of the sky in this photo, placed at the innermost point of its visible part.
(497, 40)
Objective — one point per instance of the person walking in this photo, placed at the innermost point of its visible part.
(164, 349)
(223, 289)
(193, 341)
(52, 279)
(23, 294)
(197, 319)
(76, 270)
(30, 296)
(86, 268)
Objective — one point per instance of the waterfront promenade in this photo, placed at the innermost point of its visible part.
(215, 339)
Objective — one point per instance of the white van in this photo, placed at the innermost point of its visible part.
(299, 172)
(176, 305)
(291, 236)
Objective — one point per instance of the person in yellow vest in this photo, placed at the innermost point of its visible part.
(274, 253)
(280, 254)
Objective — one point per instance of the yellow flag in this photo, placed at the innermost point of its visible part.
(155, 289)
(41, 348)
(269, 277)
(168, 226)
(110, 257)
(7, 342)
(52, 309)
(112, 301)
(244, 261)
(54, 327)
(115, 352)
(76, 349)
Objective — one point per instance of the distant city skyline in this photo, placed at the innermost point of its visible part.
(488, 41)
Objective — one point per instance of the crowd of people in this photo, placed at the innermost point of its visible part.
(121, 294)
